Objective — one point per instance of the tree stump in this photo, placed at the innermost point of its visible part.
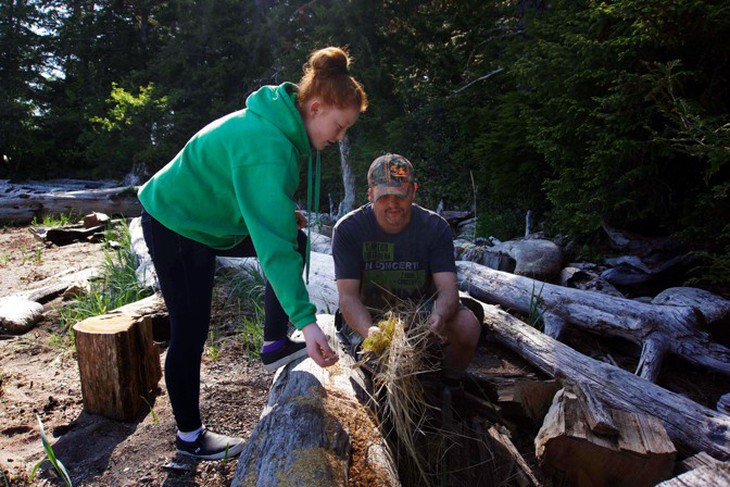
(641, 454)
(119, 364)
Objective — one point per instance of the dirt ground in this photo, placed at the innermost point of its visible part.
(40, 377)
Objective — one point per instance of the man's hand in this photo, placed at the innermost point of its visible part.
(317, 346)
(437, 324)
(301, 219)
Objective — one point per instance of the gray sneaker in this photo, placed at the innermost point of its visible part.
(288, 353)
(210, 446)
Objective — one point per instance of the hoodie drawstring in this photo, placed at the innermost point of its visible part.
(311, 203)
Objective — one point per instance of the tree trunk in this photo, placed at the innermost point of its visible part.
(348, 179)
(657, 328)
(314, 431)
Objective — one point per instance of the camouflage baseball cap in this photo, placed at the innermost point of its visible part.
(390, 174)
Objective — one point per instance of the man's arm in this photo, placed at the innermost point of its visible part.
(352, 308)
(447, 301)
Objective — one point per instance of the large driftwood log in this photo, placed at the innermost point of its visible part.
(20, 312)
(22, 209)
(687, 423)
(657, 328)
(314, 431)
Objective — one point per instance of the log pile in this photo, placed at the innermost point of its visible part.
(613, 405)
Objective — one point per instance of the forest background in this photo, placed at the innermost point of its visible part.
(582, 112)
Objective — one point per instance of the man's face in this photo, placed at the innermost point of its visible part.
(392, 212)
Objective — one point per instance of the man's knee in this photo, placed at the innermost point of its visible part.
(467, 329)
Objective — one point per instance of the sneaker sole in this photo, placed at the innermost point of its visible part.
(285, 360)
(233, 451)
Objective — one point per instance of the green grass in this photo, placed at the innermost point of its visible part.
(534, 319)
(116, 287)
(51, 457)
(55, 220)
(155, 419)
(240, 297)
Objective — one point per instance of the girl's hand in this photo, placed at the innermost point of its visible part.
(317, 346)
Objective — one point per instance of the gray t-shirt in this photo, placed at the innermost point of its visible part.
(401, 264)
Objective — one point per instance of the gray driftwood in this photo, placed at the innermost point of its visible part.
(23, 208)
(20, 312)
(314, 431)
(708, 475)
(659, 329)
(688, 423)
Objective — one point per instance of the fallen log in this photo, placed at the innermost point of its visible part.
(314, 431)
(689, 424)
(708, 475)
(24, 208)
(20, 312)
(54, 286)
(659, 329)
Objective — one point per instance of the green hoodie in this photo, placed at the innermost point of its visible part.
(237, 177)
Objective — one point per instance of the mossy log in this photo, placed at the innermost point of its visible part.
(314, 430)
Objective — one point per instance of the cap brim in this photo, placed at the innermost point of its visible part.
(400, 190)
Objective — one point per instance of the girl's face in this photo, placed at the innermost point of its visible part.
(326, 124)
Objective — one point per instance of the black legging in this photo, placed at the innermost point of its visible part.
(185, 269)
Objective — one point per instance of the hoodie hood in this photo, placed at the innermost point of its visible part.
(266, 102)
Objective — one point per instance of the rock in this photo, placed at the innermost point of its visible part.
(95, 219)
(18, 315)
(535, 258)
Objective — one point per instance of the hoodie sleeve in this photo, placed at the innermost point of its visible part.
(265, 193)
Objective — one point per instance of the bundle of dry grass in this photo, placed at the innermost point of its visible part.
(404, 352)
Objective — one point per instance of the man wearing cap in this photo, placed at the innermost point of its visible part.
(392, 247)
